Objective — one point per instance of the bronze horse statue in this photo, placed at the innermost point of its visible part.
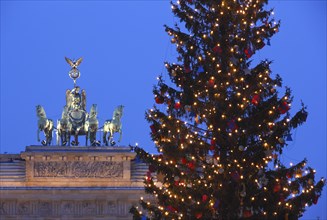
(112, 126)
(44, 124)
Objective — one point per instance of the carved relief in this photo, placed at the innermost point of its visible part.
(79, 169)
(3, 208)
(67, 208)
(112, 207)
(24, 208)
(122, 209)
(88, 208)
(45, 208)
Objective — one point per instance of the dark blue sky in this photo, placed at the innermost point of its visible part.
(124, 45)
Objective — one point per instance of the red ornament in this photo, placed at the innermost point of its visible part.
(212, 147)
(159, 100)
(190, 165)
(211, 83)
(247, 213)
(204, 198)
(152, 168)
(184, 160)
(177, 105)
(235, 176)
(148, 176)
(217, 50)
(171, 208)
(255, 99)
(198, 215)
(281, 198)
(289, 175)
(187, 69)
(153, 129)
(248, 52)
(213, 142)
(283, 107)
(315, 200)
(277, 187)
(260, 45)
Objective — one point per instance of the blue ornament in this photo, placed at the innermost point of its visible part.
(289, 137)
(200, 69)
(268, 42)
(137, 159)
(217, 203)
(231, 124)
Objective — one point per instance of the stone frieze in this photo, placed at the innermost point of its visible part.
(78, 169)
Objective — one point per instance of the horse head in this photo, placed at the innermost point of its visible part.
(93, 111)
(40, 112)
(64, 114)
(118, 113)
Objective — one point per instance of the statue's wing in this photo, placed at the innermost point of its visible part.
(83, 99)
(68, 98)
(69, 61)
(78, 62)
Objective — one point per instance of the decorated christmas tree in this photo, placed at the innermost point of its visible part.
(221, 122)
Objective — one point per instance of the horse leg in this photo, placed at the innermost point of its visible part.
(58, 135)
(44, 142)
(120, 135)
(87, 138)
(49, 137)
(111, 137)
(68, 134)
(38, 134)
(63, 137)
(104, 138)
(76, 139)
(92, 140)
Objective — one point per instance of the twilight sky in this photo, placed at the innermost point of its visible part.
(124, 45)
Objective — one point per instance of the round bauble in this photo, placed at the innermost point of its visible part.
(177, 105)
(281, 140)
(310, 181)
(243, 194)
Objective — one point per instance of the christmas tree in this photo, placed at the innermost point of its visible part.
(220, 125)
